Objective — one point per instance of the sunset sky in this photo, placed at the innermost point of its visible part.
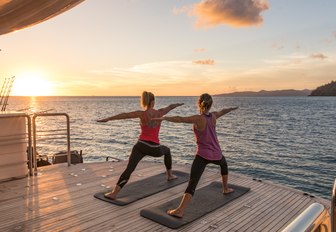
(175, 47)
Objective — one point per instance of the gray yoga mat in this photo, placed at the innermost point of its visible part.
(143, 188)
(205, 200)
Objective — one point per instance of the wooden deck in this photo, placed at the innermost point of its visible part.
(60, 198)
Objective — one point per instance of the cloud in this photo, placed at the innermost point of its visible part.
(184, 9)
(277, 46)
(204, 62)
(318, 56)
(161, 77)
(165, 78)
(235, 13)
(297, 71)
(199, 50)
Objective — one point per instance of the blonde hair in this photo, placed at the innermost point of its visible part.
(204, 102)
(146, 99)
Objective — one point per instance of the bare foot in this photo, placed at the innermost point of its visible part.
(171, 177)
(110, 195)
(175, 213)
(228, 191)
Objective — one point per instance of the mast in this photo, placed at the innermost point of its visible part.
(5, 92)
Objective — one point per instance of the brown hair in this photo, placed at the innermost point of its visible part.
(146, 99)
(204, 102)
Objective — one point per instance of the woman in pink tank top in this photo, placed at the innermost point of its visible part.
(208, 149)
(148, 142)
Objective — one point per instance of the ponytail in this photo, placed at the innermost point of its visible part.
(204, 102)
(146, 99)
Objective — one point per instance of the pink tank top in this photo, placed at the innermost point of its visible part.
(149, 132)
(207, 142)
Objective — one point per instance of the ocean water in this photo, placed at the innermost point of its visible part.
(286, 140)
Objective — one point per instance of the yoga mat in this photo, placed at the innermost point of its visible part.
(143, 188)
(205, 200)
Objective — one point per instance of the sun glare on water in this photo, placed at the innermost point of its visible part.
(31, 84)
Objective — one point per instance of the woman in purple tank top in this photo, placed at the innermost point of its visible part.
(208, 149)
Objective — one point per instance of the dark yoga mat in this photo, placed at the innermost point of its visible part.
(205, 200)
(143, 188)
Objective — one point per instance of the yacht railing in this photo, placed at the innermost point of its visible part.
(316, 217)
(50, 136)
(20, 138)
(333, 208)
(312, 219)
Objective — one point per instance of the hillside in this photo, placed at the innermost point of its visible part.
(264, 93)
(325, 90)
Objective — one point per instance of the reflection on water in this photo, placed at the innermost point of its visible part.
(289, 140)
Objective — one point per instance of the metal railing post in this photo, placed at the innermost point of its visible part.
(34, 145)
(68, 139)
(34, 134)
(30, 155)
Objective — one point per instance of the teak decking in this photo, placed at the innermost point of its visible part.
(60, 198)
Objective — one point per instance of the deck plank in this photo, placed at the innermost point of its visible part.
(52, 201)
(84, 217)
(74, 198)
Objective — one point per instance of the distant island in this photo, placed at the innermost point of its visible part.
(265, 93)
(325, 90)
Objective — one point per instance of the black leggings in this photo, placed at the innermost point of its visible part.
(140, 150)
(197, 169)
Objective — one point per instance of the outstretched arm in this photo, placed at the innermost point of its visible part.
(134, 114)
(195, 119)
(166, 110)
(224, 111)
(191, 119)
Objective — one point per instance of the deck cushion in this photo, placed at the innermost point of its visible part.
(143, 188)
(205, 200)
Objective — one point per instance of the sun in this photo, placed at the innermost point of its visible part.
(32, 83)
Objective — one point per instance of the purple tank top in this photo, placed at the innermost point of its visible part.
(207, 142)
